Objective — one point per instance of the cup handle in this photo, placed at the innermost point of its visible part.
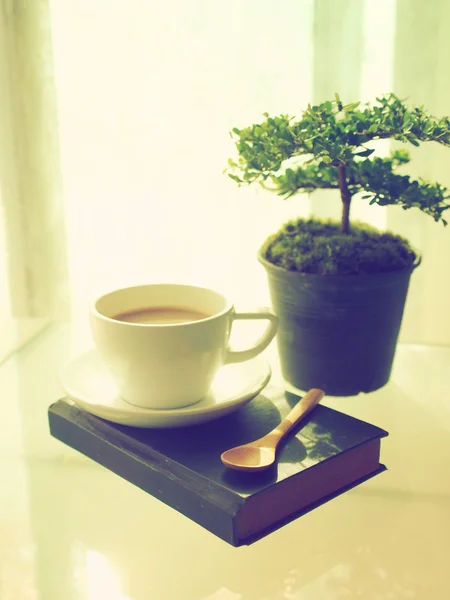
(235, 356)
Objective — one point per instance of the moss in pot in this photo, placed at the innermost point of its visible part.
(339, 288)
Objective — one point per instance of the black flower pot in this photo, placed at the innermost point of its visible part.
(337, 333)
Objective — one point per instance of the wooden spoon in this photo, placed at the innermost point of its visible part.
(260, 454)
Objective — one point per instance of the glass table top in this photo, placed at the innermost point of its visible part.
(71, 530)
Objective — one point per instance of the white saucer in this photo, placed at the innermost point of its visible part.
(89, 385)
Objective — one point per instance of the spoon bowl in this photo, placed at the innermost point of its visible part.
(261, 453)
(243, 458)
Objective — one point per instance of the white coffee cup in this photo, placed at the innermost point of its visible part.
(170, 365)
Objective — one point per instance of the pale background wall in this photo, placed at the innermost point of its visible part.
(114, 171)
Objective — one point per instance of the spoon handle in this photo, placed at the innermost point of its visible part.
(309, 401)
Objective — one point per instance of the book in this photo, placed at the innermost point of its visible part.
(326, 455)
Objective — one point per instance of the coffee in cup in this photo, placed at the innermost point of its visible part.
(165, 343)
(154, 315)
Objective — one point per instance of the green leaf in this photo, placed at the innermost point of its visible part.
(338, 102)
(364, 153)
(235, 178)
(352, 106)
(413, 140)
(254, 164)
(407, 122)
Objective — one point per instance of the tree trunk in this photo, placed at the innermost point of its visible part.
(346, 198)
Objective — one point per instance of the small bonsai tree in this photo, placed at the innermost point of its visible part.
(330, 141)
(327, 149)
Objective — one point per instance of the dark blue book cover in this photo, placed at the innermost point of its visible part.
(327, 454)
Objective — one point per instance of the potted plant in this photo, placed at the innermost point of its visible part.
(339, 288)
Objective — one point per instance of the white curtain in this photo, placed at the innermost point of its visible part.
(124, 118)
(33, 265)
